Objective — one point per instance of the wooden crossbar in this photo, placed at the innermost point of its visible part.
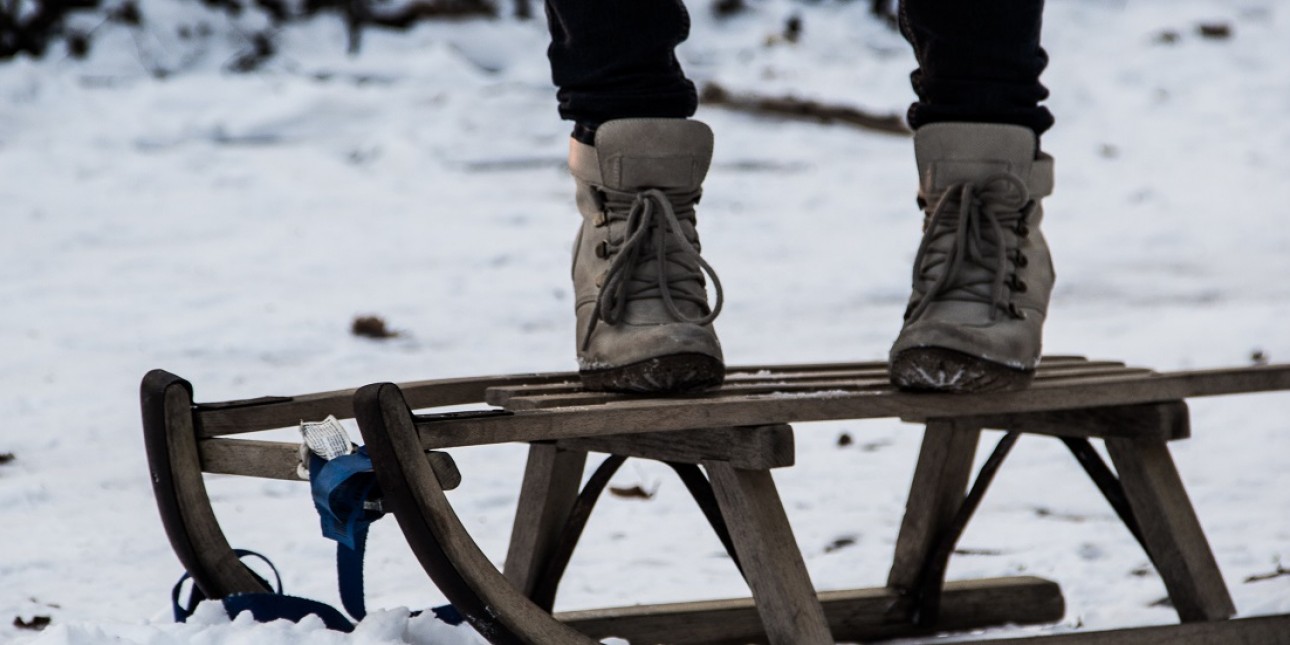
(1258, 630)
(853, 615)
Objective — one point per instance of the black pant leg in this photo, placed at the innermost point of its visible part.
(614, 59)
(979, 61)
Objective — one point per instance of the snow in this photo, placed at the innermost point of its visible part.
(228, 227)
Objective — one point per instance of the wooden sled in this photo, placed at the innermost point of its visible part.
(736, 435)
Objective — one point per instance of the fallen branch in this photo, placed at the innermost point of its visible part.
(792, 107)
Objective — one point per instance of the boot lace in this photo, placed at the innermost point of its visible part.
(653, 229)
(977, 215)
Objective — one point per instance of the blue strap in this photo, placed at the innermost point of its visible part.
(264, 606)
(342, 489)
(448, 614)
(349, 575)
(183, 611)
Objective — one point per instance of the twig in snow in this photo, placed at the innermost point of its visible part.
(792, 107)
(1281, 571)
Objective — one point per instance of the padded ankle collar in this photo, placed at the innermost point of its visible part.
(632, 154)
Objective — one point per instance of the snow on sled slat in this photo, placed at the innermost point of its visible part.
(682, 412)
(785, 374)
(846, 383)
(853, 615)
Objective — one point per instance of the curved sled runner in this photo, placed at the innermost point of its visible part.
(735, 434)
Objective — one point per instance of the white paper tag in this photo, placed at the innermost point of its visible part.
(326, 438)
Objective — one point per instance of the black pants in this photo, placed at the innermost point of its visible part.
(978, 60)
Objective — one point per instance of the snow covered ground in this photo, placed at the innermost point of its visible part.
(228, 227)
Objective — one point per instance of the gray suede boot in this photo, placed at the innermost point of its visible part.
(644, 324)
(982, 275)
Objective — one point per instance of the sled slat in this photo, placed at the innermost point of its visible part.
(216, 420)
(746, 380)
(682, 413)
(853, 615)
(877, 382)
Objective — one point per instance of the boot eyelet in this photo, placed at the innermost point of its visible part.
(599, 220)
(1016, 311)
(600, 280)
(602, 250)
(1021, 260)
(1017, 284)
(1021, 230)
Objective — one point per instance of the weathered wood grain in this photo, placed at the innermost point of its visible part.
(218, 419)
(219, 572)
(1165, 421)
(754, 448)
(1170, 529)
(744, 380)
(853, 615)
(940, 480)
(279, 459)
(1260, 630)
(772, 564)
(437, 537)
(551, 481)
(657, 415)
(266, 413)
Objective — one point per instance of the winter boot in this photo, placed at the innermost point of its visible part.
(644, 324)
(982, 275)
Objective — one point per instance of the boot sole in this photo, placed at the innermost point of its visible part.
(935, 369)
(661, 375)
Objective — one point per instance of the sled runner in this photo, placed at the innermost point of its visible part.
(722, 444)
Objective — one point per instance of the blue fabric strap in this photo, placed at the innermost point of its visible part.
(349, 574)
(342, 489)
(264, 607)
(345, 496)
(183, 611)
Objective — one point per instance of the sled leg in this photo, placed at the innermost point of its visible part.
(551, 481)
(1172, 534)
(940, 479)
(772, 563)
